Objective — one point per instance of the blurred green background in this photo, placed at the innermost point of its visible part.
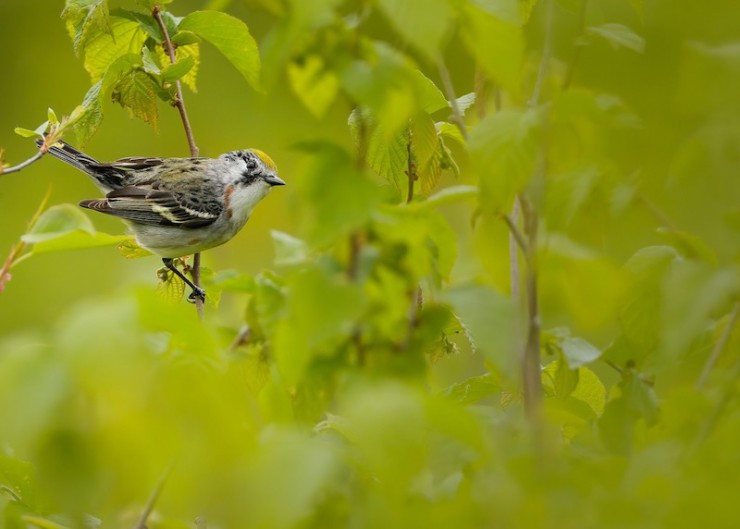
(341, 413)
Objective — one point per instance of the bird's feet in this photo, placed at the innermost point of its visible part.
(197, 294)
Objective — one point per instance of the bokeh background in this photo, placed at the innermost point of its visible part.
(103, 386)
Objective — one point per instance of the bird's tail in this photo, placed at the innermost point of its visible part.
(65, 152)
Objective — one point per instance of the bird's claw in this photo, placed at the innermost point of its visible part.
(197, 294)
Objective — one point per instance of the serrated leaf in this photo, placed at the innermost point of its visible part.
(85, 20)
(423, 23)
(136, 91)
(129, 249)
(179, 69)
(86, 118)
(387, 154)
(427, 151)
(618, 36)
(464, 102)
(170, 287)
(314, 85)
(231, 37)
(497, 45)
(126, 37)
(145, 20)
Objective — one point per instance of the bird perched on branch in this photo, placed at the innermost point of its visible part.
(177, 206)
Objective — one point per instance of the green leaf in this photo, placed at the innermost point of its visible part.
(423, 23)
(184, 38)
(427, 151)
(428, 97)
(562, 378)
(65, 227)
(289, 250)
(129, 249)
(618, 36)
(126, 37)
(150, 62)
(27, 133)
(184, 53)
(314, 85)
(497, 45)
(640, 315)
(87, 117)
(490, 321)
(231, 37)
(179, 69)
(503, 148)
(85, 20)
(473, 389)
(449, 195)
(136, 91)
(145, 20)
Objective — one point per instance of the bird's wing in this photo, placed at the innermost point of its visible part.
(146, 205)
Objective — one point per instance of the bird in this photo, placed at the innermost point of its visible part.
(177, 206)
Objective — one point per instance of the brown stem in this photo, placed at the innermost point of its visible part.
(449, 89)
(22, 165)
(410, 169)
(531, 369)
(180, 104)
(719, 346)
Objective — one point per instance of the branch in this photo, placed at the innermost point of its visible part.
(180, 104)
(22, 165)
(719, 346)
(444, 74)
(179, 101)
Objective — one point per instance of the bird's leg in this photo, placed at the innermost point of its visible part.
(197, 293)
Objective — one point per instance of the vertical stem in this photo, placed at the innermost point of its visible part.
(514, 254)
(531, 369)
(180, 104)
(719, 346)
(449, 89)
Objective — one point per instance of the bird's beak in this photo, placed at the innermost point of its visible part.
(274, 180)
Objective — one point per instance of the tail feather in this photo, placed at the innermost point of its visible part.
(68, 154)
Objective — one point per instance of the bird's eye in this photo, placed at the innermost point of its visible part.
(251, 165)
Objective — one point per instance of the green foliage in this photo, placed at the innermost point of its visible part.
(363, 364)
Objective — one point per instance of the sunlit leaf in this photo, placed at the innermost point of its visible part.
(231, 37)
(126, 37)
(86, 19)
(173, 72)
(136, 91)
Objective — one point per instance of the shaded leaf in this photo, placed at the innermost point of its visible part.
(423, 23)
(618, 36)
(173, 72)
(136, 91)
(314, 85)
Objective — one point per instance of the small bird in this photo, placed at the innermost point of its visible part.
(178, 206)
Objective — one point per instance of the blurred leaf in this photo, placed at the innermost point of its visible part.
(591, 390)
(136, 91)
(503, 148)
(575, 351)
(449, 195)
(86, 19)
(423, 23)
(490, 321)
(338, 197)
(640, 315)
(26, 133)
(618, 36)
(497, 45)
(473, 389)
(464, 102)
(231, 37)
(689, 245)
(563, 379)
(289, 250)
(313, 84)
(429, 98)
(65, 227)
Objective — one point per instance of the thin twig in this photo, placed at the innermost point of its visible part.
(22, 165)
(531, 368)
(517, 234)
(516, 241)
(410, 169)
(243, 338)
(449, 89)
(153, 497)
(719, 346)
(180, 104)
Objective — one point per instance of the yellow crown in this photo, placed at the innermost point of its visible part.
(265, 159)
